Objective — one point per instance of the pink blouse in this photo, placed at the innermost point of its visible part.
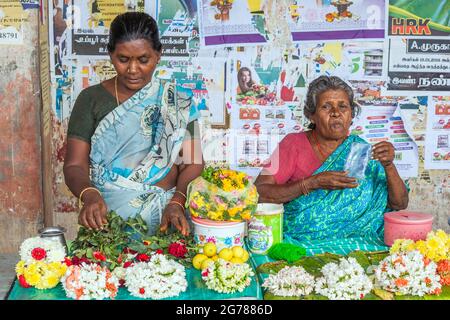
(293, 159)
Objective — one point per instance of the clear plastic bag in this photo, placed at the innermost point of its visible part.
(357, 160)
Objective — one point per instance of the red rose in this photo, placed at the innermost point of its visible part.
(127, 264)
(177, 249)
(141, 290)
(38, 253)
(119, 259)
(159, 251)
(205, 273)
(85, 260)
(99, 256)
(143, 257)
(67, 261)
(23, 282)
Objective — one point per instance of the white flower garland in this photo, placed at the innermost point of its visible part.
(408, 273)
(226, 277)
(89, 281)
(290, 282)
(159, 278)
(54, 250)
(344, 281)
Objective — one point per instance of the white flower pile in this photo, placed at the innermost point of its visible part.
(89, 281)
(226, 277)
(157, 279)
(344, 281)
(408, 273)
(54, 250)
(290, 282)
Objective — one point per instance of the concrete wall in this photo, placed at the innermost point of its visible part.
(21, 203)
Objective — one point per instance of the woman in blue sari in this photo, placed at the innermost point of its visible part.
(130, 147)
(325, 209)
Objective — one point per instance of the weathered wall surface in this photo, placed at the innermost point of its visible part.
(21, 203)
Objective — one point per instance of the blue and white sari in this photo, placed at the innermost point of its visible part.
(135, 146)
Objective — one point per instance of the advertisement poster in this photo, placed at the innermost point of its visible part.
(413, 112)
(419, 18)
(417, 66)
(12, 17)
(437, 146)
(325, 20)
(228, 22)
(91, 22)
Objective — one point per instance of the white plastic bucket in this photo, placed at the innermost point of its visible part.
(223, 233)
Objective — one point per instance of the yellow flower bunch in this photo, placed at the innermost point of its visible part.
(436, 247)
(40, 274)
(222, 195)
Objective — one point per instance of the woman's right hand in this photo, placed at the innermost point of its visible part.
(93, 213)
(331, 180)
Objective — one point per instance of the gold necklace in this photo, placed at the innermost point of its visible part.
(115, 89)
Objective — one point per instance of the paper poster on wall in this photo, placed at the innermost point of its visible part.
(91, 22)
(413, 112)
(419, 18)
(347, 60)
(417, 66)
(178, 29)
(12, 17)
(328, 20)
(437, 146)
(228, 22)
(378, 123)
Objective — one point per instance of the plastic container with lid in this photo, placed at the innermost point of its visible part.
(406, 225)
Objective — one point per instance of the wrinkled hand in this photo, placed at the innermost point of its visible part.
(384, 152)
(331, 180)
(93, 213)
(175, 215)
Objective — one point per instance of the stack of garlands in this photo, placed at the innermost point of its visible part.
(41, 263)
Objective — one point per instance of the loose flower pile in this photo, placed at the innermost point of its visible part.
(223, 195)
(408, 273)
(436, 246)
(290, 282)
(90, 281)
(226, 277)
(343, 281)
(158, 278)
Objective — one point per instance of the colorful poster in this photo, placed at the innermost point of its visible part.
(12, 17)
(91, 22)
(416, 66)
(413, 112)
(324, 20)
(228, 22)
(378, 123)
(437, 146)
(419, 18)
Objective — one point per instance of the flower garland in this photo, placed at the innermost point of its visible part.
(40, 274)
(443, 269)
(156, 279)
(408, 273)
(89, 281)
(42, 249)
(343, 281)
(226, 277)
(436, 246)
(290, 282)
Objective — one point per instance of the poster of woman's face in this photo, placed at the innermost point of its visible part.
(245, 80)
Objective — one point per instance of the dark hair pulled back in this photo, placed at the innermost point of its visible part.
(131, 26)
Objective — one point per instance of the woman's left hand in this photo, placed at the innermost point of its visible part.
(384, 152)
(174, 215)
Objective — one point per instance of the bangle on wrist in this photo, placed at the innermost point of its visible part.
(80, 202)
(184, 196)
(177, 203)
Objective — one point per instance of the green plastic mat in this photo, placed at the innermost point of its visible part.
(196, 290)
